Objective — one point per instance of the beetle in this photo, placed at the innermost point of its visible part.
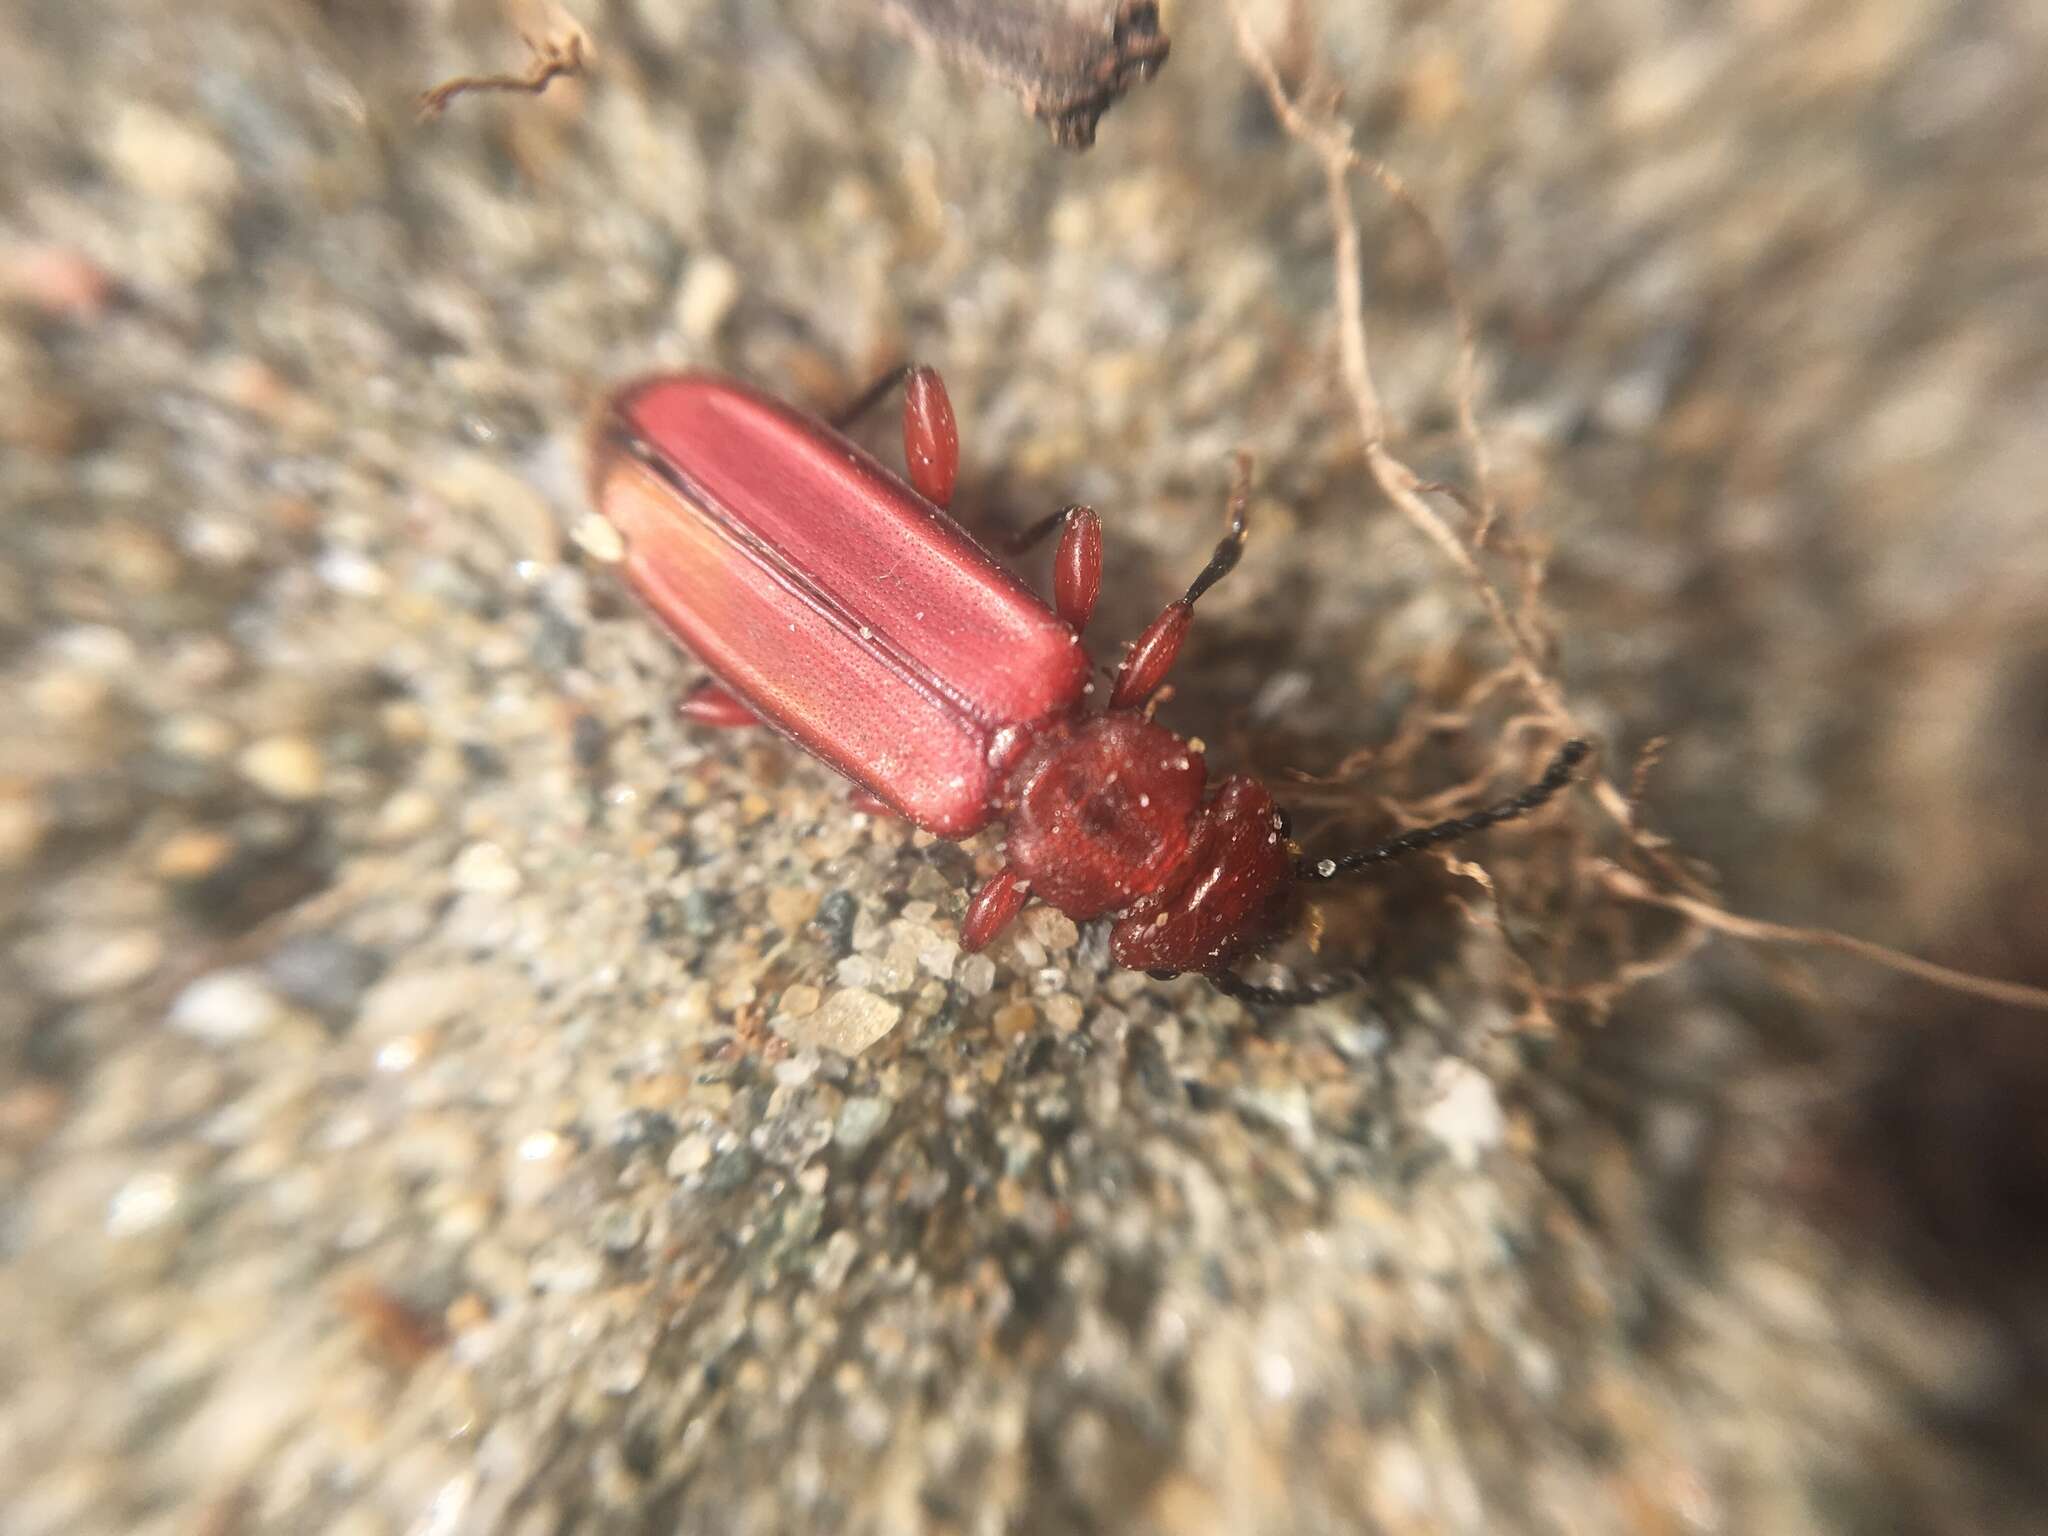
(841, 606)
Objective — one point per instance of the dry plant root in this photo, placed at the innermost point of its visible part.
(1310, 117)
(553, 59)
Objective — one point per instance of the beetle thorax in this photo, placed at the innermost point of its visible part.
(1100, 810)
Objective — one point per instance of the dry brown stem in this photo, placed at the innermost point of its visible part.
(1311, 118)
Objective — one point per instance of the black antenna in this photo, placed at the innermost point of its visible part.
(1231, 546)
(1555, 778)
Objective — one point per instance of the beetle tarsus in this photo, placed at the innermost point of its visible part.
(1230, 984)
(850, 414)
(931, 437)
(1077, 567)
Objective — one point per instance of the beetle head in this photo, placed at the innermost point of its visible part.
(1227, 895)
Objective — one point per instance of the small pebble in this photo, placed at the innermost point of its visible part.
(790, 907)
(204, 737)
(143, 1204)
(796, 1071)
(77, 963)
(977, 975)
(21, 829)
(938, 958)
(640, 1129)
(1051, 927)
(288, 767)
(485, 869)
(859, 1120)
(542, 1147)
(226, 1007)
(710, 289)
(597, 538)
(324, 973)
(168, 157)
(411, 1002)
(58, 282)
(218, 541)
(99, 648)
(730, 1172)
(565, 1269)
(1063, 1013)
(480, 483)
(1465, 1114)
(67, 695)
(835, 1263)
(850, 1021)
(351, 573)
(836, 914)
(700, 909)
(691, 1155)
(620, 1228)
(405, 816)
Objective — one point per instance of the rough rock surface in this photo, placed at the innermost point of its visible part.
(428, 1099)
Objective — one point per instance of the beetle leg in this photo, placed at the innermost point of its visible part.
(931, 438)
(717, 706)
(992, 907)
(1076, 566)
(1153, 653)
(868, 803)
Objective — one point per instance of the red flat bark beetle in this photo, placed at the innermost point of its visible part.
(843, 608)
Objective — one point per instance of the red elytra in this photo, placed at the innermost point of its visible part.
(842, 607)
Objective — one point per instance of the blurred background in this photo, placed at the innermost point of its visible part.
(439, 1092)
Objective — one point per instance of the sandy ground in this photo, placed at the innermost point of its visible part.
(443, 1093)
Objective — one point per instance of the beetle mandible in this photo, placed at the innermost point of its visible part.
(845, 609)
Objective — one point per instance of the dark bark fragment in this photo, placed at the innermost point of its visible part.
(1068, 63)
